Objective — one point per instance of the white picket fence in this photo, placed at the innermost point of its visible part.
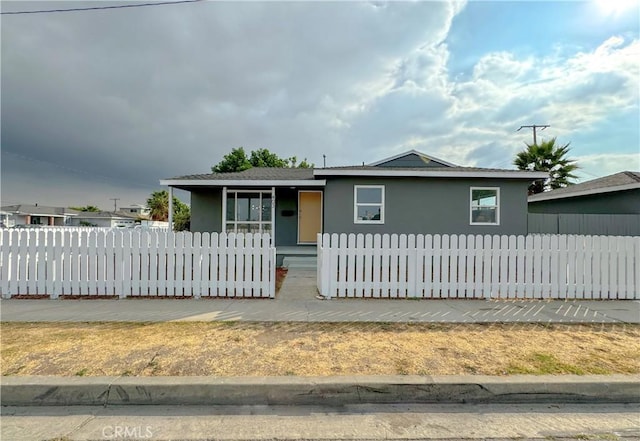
(130, 263)
(468, 266)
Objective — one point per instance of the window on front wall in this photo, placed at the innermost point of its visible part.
(485, 206)
(248, 212)
(368, 204)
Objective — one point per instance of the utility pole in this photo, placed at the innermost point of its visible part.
(534, 127)
(115, 204)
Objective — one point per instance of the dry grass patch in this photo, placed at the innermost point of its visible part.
(316, 349)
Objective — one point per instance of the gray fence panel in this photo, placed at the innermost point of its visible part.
(587, 224)
(543, 223)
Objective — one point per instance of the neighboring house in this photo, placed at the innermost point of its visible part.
(608, 205)
(19, 215)
(407, 193)
(104, 219)
(141, 211)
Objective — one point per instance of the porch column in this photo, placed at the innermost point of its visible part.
(51, 221)
(224, 210)
(170, 208)
(273, 215)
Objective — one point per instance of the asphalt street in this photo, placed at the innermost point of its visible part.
(353, 422)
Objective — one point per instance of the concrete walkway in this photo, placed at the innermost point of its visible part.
(300, 284)
(314, 310)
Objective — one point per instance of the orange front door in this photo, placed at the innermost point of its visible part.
(309, 216)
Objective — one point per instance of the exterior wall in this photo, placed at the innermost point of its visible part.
(18, 219)
(102, 222)
(426, 205)
(206, 210)
(621, 202)
(286, 222)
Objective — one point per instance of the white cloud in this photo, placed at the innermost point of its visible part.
(592, 166)
(473, 121)
(158, 92)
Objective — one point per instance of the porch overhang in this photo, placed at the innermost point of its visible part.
(201, 183)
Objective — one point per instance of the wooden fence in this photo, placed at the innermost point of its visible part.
(130, 263)
(584, 224)
(468, 266)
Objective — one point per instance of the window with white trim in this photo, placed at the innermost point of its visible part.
(485, 206)
(248, 211)
(368, 204)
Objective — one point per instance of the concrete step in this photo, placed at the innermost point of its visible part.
(300, 262)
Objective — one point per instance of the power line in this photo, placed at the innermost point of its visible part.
(96, 8)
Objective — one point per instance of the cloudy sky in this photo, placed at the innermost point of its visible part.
(102, 104)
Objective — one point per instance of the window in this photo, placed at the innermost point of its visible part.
(485, 206)
(248, 212)
(368, 204)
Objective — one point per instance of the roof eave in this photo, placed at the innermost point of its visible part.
(564, 195)
(243, 182)
(433, 174)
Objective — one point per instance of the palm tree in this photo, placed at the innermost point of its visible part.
(547, 157)
(158, 204)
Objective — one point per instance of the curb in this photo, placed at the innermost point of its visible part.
(103, 391)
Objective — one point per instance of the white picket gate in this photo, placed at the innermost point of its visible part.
(131, 263)
(468, 266)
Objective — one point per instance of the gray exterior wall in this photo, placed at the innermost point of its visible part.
(286, 225)
(206, 210)
(621, 202)
(426, 205)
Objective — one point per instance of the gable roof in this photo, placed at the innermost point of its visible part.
(37, 210)
(427, 159)
(102, 215)
(627, 180)
(255, 176)
(268, 176)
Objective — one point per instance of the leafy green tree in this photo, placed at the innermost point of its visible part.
(237, 160)
(182, 220)
(88, 208)
(158, 204)
(264, 158)
(551, 158)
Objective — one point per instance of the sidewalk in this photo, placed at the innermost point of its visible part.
(297, 302)
(314, 310)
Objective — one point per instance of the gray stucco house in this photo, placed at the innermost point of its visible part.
(408, 193)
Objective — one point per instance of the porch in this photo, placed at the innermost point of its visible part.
(297, 256)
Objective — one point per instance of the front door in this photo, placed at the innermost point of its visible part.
(309, 216)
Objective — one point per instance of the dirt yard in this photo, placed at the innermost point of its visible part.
(316, 349)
